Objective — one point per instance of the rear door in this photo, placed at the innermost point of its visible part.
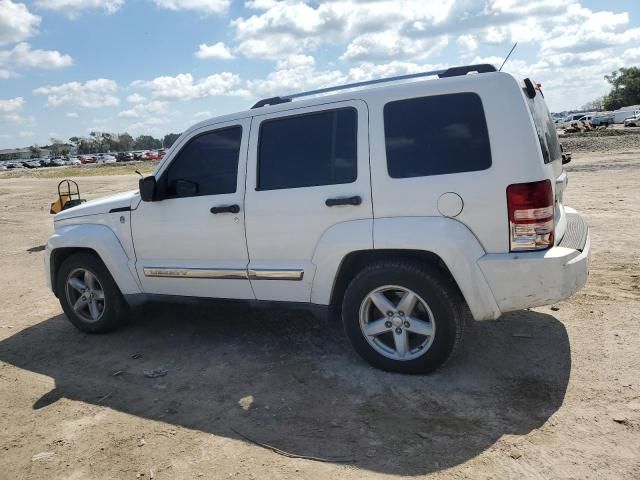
(307, 170)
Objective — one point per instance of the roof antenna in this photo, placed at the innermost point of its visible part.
(508, 55)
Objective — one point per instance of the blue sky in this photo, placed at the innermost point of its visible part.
(157, 66)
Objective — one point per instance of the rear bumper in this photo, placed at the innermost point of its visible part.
(531, 279)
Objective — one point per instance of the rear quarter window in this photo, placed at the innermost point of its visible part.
(545, 129)
(436, 135)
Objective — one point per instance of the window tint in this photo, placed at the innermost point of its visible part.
(436, 135)
(545, 129)
(308, 150)
(207, 165)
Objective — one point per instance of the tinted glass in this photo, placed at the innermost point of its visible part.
(545, 129)
(308, 150)
(436, 135)
(207, 165)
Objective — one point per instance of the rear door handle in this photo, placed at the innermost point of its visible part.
(332, 202)
(225, 209)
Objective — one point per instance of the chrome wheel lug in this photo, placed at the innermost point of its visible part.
(387, 324)
(407, 324)
(401, 313)
(398, 330)
(389, 314)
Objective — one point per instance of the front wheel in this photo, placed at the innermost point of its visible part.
(403, 317)
(88, 294)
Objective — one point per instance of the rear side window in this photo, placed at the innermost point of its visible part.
(545, 129)
(436, 135)
(207, 165)
(308, 150)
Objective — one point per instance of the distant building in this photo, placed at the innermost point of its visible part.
(20, 153)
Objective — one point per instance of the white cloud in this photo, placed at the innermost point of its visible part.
(294, 74)
(216, 51)
(183, 86)
(11, 112)
(23, 56)
(11, 105)
(16, 22)
(73, 7)
(260, 4)
(204, 114)
(203, 6)
(144, 110)
(91, 94)
(136, 98)
(391, 45)
(72, 114)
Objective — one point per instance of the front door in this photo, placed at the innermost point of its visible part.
(192, 241)
(308, 170)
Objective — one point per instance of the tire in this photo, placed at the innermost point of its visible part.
(107, 309)
(438, 310)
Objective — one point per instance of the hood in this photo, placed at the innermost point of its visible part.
(100, 205)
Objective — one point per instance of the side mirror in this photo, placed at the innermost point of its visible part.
(147, 187)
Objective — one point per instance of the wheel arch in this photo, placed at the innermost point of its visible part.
(98, 240)
(57, 258)
(442, 242)
(353, 262)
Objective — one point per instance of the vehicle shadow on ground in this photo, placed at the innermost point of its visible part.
(292, 381)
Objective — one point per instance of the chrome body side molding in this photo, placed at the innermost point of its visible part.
(274, 274)
(224, 273)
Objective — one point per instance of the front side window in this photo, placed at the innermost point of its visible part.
(308, 150)
(436, 135)
(207, 165)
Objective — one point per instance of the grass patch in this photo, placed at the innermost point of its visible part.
(90, 170)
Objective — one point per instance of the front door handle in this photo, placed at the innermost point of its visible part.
(332, 202)
(225, 209)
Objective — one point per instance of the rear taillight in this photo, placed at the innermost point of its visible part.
(531, 225)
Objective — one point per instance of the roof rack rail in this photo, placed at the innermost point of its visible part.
(444, 73)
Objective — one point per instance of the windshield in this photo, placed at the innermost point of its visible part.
(545, 129)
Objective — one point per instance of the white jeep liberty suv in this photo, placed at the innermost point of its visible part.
(400, 206)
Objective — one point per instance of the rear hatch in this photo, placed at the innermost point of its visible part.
(552, 157)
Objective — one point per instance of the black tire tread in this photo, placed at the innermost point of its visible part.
(431, 275)
(116, 316)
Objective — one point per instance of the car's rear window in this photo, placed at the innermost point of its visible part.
(545, 129)
(436, 135)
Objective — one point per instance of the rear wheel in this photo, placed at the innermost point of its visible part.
(403, 317)
(88, 294)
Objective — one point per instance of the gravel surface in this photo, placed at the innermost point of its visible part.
(546, 393)
(602, 140)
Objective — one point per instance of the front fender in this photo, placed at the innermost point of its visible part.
(105, 243)
(454, 243)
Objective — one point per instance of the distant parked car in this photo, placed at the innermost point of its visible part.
(31, 164)
(87, 159)
(12, 165)
(620, 116)
(57, 162)
(124, 157)
(151, 155)
(105, 158)
(633, 121)
(74, 161)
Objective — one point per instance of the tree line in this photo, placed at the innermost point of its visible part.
(98, 142)
(625, 90)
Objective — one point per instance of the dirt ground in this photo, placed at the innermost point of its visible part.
(542, 393)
